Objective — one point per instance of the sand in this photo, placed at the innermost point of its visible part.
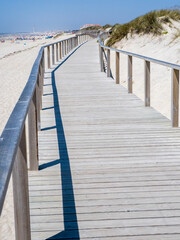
(163, 47)
(15, 69)
(16, 60)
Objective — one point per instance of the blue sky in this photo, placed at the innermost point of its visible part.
(22, 15)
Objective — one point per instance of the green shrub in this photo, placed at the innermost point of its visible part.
(106, 26)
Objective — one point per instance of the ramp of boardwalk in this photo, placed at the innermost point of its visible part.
(109, 167)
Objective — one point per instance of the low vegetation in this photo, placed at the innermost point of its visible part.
(93, 28)
(98, 27)
(148, 23)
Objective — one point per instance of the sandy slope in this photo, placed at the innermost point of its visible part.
(16, 61)
(163, 48)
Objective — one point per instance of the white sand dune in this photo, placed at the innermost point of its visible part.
(163, 47)
(16, 61)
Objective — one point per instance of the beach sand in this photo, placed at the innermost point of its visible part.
(15, 69)
(163, 47)
(16, 61)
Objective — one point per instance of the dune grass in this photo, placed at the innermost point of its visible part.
(148, 23)
(98, 27)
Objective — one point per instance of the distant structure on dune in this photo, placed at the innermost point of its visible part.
(89, 25)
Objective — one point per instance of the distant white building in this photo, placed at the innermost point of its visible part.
(89, 25)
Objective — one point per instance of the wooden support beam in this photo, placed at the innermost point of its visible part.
(37, 92)
(147, 83)
(108, 63)
(101, 58)
(52, 54)
(57, 52)
(60, 50)
(21, 192)
(175, 97)
(48, 56)
(33, 135)
(129, 74)
(117, 67)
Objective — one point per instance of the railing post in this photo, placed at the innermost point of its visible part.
(101, 58)
(147, 83)
(40, 79)
(48, 56)
(108, 63)
(33, 135)
(52, 54)
(21, 192)
(175, 97)
(64, 48)
(43, 64)
(117, 67)
(129, 74)
(56, 52)
(62, 45)
(37, 90)
(60, 51)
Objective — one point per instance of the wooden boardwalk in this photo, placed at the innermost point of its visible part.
(109, 167)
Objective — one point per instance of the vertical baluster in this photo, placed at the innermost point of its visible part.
(129, 74)
(62, 46)
(48, 56)
(175, 97)
(147, 83)
(52, 54)
(33, 135)
(21, 192)
(57, 52)
(60, 50)
(43, 64)
(117, 67)
(108, 63)
(101, 58)
(65, 47)
(38, 104)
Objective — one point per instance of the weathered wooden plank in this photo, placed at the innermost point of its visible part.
(117, 67)
(102, 148)
(21, 193)
(175, 98)
(147, 83)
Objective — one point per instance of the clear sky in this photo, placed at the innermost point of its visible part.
(22, 15)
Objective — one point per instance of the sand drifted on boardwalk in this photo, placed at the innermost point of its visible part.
(16, 61)
(165, 47)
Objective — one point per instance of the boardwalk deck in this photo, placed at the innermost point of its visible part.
(109, 167)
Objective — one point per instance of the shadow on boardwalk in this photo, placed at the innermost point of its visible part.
(71, 230)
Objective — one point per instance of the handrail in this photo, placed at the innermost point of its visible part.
(147, 72)
(13, 157)
(167, 64)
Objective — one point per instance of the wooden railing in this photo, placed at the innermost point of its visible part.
(147, 73)
(13, 141)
